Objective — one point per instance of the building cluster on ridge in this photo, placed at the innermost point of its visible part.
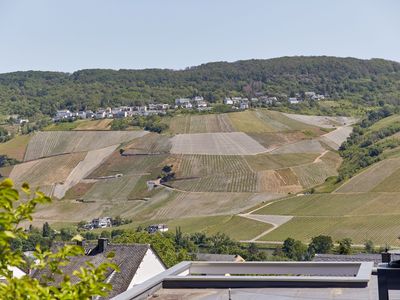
(196, 103)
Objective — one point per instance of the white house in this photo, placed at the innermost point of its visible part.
(200, 104)
(100, 114)
(181, 101)
(228, 101)
(198, 98)
(244, 105)
(293, 100)
(81, 114)
(63, 114)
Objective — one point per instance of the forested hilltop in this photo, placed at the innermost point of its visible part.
(361, 81)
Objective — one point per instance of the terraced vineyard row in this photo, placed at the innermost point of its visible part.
(228, 182)
(204, 165)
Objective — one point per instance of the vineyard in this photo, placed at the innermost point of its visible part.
(49, 143)
(305, 146)
(200, 124)
(278, 181)
(128, 165)
(278, 161)
(213, 173)
(267, 121)
(315, 173)
(381, 230)
(335, 138)
(83, 168)
(151, 143)
(282, 122)
(219, 171)
(103, 124)
(115, 189)
(227, 143)
(272, 140)
(248, 121)
(46, 171)
(381, 176)
(322, 121)
(204, 165)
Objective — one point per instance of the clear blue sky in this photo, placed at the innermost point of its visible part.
(68, 35)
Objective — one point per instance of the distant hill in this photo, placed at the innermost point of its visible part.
(365, 81)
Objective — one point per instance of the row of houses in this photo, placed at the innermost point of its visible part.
(117, 112)
(196, 102)
(307, 96)
(189, 103)
(245, 103)
(98, 223)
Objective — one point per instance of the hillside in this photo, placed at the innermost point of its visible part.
(257, 167)
(223, 164)
(362, 81)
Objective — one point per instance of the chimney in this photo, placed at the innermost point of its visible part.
(386, 257)
(102, 244)
(81, 243)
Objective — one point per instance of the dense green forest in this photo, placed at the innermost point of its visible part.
(361, 81)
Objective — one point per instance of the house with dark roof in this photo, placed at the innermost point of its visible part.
(137, 263)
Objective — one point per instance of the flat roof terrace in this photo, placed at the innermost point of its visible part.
(257, 280)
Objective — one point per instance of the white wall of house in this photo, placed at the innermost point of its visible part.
(149, 267)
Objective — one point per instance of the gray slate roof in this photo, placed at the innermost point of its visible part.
(127, 257)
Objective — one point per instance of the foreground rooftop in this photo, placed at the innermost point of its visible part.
(262, 280)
